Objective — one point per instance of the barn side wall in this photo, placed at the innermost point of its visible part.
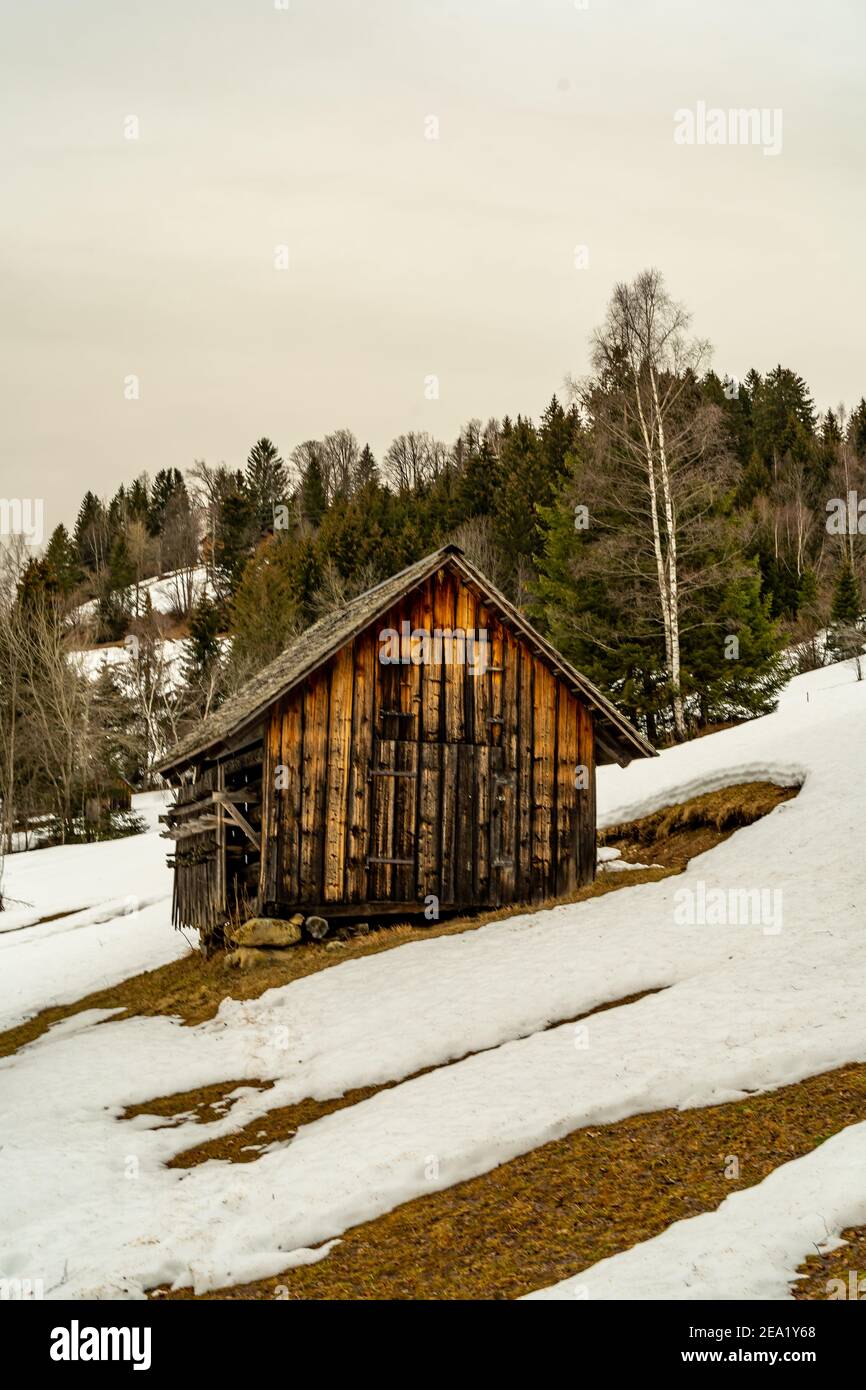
(384, 784)
(216, 864)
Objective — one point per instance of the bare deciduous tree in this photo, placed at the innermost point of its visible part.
(414, 460)
(644, 353)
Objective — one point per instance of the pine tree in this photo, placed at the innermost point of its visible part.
(366, 471)
(236, 528)
(313, 499)
(201, 667)
(781, 403)
(857, 428)
(138, 498)
(118, 511)
(608, 630)
(265, 612)
(267, 482)
(37, 583)
(847, 605)
(167, 483)
(830, 431)
(306, 576)
(732, 656)
(121, 570)
(845, 637)
(113, 604)
(526, 487)
(62, 560)
(91, 533)
(204, 629)
(478, 483)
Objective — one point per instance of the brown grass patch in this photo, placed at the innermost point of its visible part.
(674, 834)
(201, 1106)
(193, 988)
(554, 1211)
(283, 1122)
(817, 1270)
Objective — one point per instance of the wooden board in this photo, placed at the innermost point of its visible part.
(314, 794)
(544, 735)
(429, 848)
(358, 792)
(339, 760)
(525, 772)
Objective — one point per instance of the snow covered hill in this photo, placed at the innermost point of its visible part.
(757, 953)
(170, 656)
(175, 592)
(79, 918)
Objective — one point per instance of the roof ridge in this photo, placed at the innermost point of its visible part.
(312, 647)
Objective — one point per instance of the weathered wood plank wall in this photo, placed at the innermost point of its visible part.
(399, 781)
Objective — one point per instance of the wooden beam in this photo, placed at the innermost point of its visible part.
(222, 800)
(189, 828)
(221, 876)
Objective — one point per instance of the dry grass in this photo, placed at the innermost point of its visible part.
(554, 1211)
(282, 1123)
(818, 1270)
(721, 812)
(192, 988)
(549, 1213)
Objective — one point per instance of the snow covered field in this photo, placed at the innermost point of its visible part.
(168, 593)
(172, 652)
(776, 994)
(111, 908)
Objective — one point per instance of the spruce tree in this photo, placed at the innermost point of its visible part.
(264, 612)
(61, 559)
(845, 637)
(857, 428)
(266, 481)
(91, 533)
(236, 528)
(202, 660)
(366, 471)
(167, 483)
(733, 654)
(138, 498)
(312, 496)
(847, 605)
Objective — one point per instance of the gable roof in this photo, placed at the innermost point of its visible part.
(312, 648)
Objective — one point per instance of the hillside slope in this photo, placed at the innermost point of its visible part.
(740, 1006)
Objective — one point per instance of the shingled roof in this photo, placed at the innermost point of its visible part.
(312, 648)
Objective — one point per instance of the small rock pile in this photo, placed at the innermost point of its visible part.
(261, 938)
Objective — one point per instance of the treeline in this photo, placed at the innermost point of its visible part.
(669, 530)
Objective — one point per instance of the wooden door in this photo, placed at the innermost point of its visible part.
(503, 827)
(391, 862)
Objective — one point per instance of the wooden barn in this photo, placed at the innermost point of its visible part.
(422, 743)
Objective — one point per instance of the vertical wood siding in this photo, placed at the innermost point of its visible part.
(402, 781)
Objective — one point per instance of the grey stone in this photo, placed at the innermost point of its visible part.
(268, 931)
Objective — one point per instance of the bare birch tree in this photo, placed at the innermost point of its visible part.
(643, 347)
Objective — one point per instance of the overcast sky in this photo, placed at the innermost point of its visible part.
(408, 257)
